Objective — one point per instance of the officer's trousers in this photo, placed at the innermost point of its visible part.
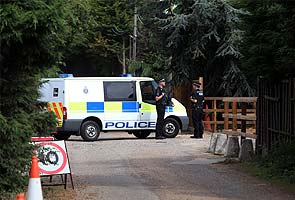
(197, 122)
(160, 120)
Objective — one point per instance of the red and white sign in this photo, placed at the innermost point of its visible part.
(53, 158)
(41, 139)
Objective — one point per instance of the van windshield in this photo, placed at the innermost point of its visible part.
(148, 89)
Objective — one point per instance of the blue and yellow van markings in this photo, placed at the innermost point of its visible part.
(113, 107)
(168, 109)
(130, 106)
(95, 107)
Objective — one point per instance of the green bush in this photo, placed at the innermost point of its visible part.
(44, 123)
(32, 39)
(15, 153)
(16, 150)
(280, 163)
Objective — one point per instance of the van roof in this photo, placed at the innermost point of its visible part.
(103, 78)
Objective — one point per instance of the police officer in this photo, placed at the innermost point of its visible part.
(197, 99)
(161, 100)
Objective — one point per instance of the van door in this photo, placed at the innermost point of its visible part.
(52, 91)
(120, 105)
(148, 111)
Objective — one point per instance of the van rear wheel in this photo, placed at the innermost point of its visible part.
(90, 131)
(141, 134)
(170, 128)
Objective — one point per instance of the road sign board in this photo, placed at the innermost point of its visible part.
(53, 158)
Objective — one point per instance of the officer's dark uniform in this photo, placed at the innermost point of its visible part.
(160, 106)
(197, 112)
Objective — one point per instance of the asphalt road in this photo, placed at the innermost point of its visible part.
(118, 166)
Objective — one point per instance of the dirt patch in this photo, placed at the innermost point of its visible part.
(58, 193)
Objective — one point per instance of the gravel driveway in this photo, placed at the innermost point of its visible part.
(118, 166)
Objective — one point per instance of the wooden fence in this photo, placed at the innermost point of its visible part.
(232, 115)
(223, 113)
(275, 113)
(275, 109)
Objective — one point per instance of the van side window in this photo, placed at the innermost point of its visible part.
(55, 92)
(148, 92)
(119, 91)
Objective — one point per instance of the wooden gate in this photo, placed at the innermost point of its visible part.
(275, 113)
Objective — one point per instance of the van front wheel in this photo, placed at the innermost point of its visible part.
(170, 128)
(90, 131)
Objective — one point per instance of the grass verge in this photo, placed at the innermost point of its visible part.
(278, 167)
(260, 172)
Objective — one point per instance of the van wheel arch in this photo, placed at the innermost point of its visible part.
(90, 128)
(177, 119)
(95, 119)
(171, 127)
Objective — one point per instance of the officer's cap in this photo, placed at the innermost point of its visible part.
(162, 80)
(197, 83)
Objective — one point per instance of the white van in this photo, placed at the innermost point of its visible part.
(87, 105)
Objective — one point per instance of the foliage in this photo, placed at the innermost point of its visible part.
(33, 36)
(185, 38)
(269, 39)
(278, 164)
(201, 39)
(114, 21)
(152, 65)
(95, 36)
(152, 55)
(38, 37)
(15, 152)
(234, 80)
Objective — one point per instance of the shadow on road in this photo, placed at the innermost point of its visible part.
(110, 139)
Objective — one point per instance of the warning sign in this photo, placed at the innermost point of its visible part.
(53, 158)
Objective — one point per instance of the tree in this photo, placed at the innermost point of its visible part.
(269, 39)
(152, 55)
(203, 40)
(105, 25)
(33, 36)
(193, 38)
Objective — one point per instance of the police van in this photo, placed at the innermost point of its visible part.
(88, 105)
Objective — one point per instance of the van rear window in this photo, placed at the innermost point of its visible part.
(119, 91)
(55, 92)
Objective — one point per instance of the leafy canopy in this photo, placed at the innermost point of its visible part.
(268, 42)
(33, 36)
(200, 39)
